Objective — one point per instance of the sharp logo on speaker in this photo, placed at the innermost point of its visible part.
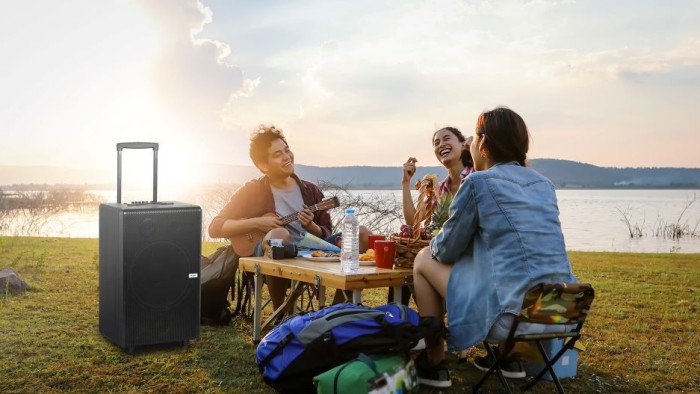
(194, 275)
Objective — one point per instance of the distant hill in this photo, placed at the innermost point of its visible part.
(571, 174)
(563, 173)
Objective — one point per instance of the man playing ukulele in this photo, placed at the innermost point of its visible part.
(256, 208)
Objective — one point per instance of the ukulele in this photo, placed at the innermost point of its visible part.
(244, 244)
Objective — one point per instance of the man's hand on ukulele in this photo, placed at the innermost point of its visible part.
(306, 217)
(267, 223)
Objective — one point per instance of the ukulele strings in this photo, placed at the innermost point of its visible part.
(290, 218)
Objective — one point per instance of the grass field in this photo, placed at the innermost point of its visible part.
(642, 335)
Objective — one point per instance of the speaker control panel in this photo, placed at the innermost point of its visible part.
(133, 203)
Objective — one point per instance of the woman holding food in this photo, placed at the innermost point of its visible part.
(502, 237)
(452, 150)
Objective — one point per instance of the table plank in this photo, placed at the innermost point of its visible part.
(330, 273)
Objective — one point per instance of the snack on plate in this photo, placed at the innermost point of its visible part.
(368, 255)
(321, 253)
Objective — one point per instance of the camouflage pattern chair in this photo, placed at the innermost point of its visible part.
(549, 304)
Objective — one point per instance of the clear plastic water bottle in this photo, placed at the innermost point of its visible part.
(350, 254)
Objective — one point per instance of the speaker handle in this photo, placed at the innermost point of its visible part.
(137, 145)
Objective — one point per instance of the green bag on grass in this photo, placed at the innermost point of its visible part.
(365, 374)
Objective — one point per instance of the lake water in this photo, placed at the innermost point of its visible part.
(590, 218)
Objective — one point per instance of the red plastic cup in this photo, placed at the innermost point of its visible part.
(384, 253)
(372, 238)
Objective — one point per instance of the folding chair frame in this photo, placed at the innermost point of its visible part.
(246, 288)
(575, 315)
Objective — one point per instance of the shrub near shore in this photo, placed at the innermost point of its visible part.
(641, 335)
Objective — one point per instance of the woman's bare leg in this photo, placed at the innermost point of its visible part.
(430, 279)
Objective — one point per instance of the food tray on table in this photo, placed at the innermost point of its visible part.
(328, 256)
(406, 250)
(319, 255)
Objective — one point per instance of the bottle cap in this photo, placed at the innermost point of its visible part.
(350, 211)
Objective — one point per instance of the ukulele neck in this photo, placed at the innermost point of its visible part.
(290, 218)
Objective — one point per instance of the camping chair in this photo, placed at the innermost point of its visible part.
(546, 304)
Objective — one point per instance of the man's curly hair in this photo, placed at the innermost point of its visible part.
(260, 141)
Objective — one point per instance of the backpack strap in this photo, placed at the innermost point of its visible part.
(275, 351)
(363, 358)
(318, 327)
(368, 361)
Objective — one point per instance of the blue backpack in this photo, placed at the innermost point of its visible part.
(306, 345)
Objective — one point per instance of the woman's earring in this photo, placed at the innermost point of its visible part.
(483, 155)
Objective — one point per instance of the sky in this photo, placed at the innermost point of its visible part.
(611, 83)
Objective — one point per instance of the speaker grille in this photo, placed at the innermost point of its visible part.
(162, 248)
(158, 278)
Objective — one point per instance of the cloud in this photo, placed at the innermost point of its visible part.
(678, 63)
(222, 49)
(247, 88)
(192, 75)
(347, 81)
(397, 72)
(195, 77)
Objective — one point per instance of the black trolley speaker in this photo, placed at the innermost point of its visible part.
(149, 267)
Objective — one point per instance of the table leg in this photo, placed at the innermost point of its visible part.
(292, 286)
(357, 296)
(257, 312)
(397, 294)
(321, 296)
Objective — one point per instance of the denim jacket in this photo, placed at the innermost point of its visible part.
(503, 237)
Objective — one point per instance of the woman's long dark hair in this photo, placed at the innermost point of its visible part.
(466, 156)
(507, 138)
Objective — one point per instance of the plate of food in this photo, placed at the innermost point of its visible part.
(367, 258)
(319, 255)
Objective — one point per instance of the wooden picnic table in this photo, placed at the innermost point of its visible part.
(321, 274)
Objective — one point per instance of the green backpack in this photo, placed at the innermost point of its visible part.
(377, 374)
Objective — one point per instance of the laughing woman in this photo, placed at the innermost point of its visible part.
(503, 236)
(452, 150)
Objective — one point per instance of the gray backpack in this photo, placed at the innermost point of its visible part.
(218, 276)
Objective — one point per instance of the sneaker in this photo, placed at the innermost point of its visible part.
(420, 345)
(432, 375)
(510, 367)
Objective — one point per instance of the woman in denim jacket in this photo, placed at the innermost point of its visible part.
(503, 237)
